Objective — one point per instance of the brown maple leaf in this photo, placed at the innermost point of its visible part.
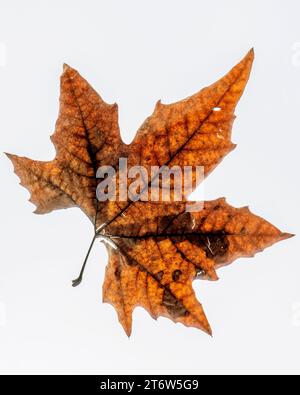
(156, 249)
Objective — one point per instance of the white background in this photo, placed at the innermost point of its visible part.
(134, 53)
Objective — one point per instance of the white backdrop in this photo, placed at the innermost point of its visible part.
(135, 52)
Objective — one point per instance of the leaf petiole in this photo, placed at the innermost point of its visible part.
(107, 240)
(78, 280)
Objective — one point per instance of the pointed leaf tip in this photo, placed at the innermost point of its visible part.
(285, 236)
(8, 155)
(127, 326)
(66, 67)
(128, 332)
(68, 70)
(11, 157)
(208, 330)
(250, 54)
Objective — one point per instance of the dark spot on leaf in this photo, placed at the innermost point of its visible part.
(214, 244)
(170, 223)
(94, 147)
(217, 245)
(186, 222)
(202, 221)
(131, 261)
(118, 273)
(176, 274)
(173, 305)
(159, 275)
(165, 222)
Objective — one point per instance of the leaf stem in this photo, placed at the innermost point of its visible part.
(78, 280)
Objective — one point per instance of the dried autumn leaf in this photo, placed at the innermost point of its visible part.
(156, 249)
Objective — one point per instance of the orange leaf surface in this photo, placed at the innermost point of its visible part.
(156, 248)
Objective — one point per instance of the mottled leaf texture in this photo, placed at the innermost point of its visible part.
(156, 249)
